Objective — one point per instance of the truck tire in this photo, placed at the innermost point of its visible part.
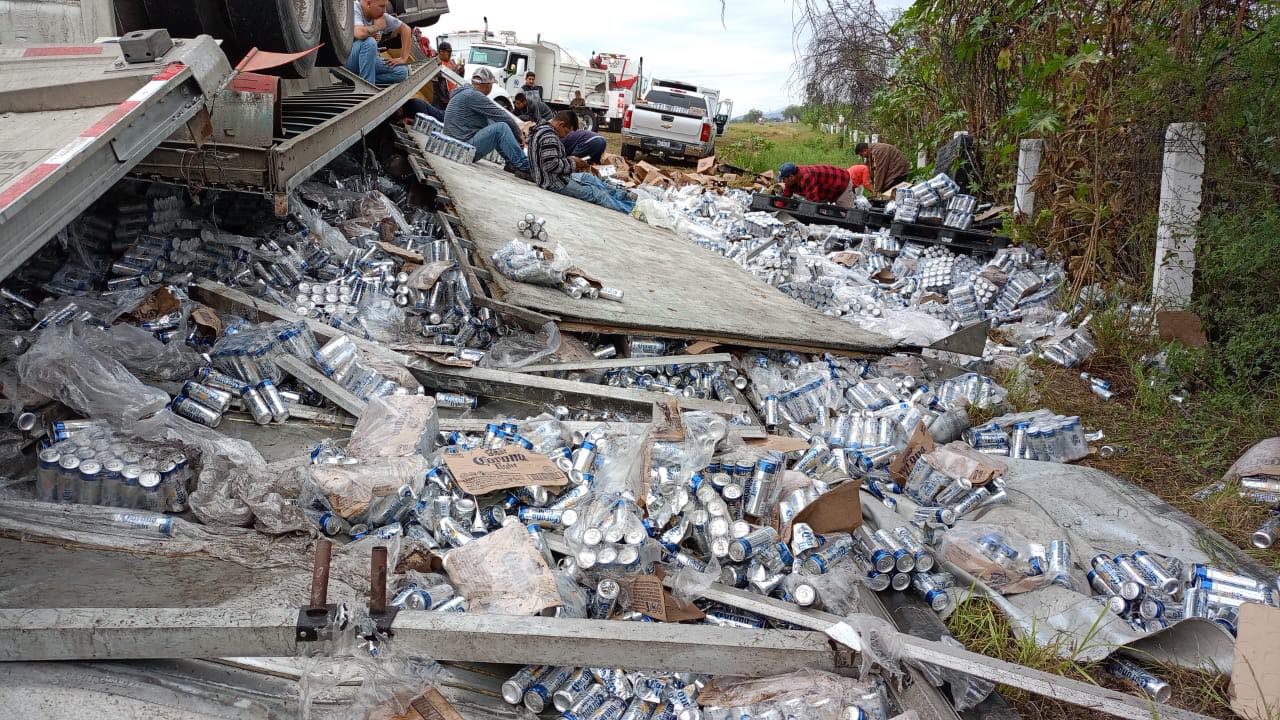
(214, 21)
(629, 152)
(588, 121)
(130, 15)
(176, 17)
(615, 125)
(338, 33)
(279, 26)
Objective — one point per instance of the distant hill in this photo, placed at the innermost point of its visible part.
(768, 115)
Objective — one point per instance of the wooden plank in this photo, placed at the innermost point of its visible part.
(339, 395)
(671, 286)
(613, 363)
(527, 319)
(536, 388)
(584, 327)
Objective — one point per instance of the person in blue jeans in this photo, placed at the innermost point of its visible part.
(373, 23)
(553, 169)
(473, 118)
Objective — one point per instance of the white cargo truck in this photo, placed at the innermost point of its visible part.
(559, 72)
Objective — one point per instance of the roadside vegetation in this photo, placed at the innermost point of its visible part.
(1100, 84)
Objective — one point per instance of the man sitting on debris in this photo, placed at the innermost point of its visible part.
(531, 109)
(373, 22)
(553, 169)
(887, 164)
(817, 183)
(585, 144)
(473, 118)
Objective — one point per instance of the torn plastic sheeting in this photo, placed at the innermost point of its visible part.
(811, 694)
(520, 348)
(62, 366)
(144, 355)
(395, 426)
(1095, 512)
(97, 526)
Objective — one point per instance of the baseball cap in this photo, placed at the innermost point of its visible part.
(484, 75)
(787, 170)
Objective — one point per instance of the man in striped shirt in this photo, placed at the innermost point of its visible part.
(555, 170)
(817, 183)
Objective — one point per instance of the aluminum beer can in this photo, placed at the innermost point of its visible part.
(458, 401)
(211, 397)
(514, 688)
(256, 405)
(90, 482)
(195, 412)
(275, 403)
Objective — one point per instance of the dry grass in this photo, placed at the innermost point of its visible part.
(983, 628)
(1170, 449)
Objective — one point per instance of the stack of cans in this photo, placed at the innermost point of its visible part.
(87, 464)
(450, 148)
(960, 210)
(532, 227)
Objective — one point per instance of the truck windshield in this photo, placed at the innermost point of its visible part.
(694, 103)
(487, 56)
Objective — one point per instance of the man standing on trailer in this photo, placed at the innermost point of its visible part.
(373, 23)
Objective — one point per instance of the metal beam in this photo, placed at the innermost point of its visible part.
(613, 363)
(535, 388)
(73, 186)
(153, 633)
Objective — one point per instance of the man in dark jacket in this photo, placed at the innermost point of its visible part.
(530, 108)
(887, 164)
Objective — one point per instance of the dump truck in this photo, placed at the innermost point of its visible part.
(560, 72)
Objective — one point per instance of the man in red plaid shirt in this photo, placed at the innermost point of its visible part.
(817, 183)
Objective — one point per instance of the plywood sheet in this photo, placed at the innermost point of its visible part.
(671, 286)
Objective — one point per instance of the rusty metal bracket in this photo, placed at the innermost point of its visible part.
(381, 615)
(319, 618)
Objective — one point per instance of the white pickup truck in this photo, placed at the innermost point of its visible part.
(674, 120)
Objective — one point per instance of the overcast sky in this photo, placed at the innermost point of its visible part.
(749, 57)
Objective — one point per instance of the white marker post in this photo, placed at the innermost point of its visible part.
(922, 157)
(1029, 152)
(1180, 193)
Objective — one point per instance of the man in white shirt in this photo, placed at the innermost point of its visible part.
(373, 23)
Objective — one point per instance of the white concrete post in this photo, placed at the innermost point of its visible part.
(1029, 152)
(875, 138)
(1180, 186)
(922, 157)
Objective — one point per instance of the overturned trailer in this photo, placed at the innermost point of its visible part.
(217, 594)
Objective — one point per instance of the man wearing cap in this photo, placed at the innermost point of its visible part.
(473, 118)
(887, 164)
(817, 183)
(440, 84)
(372, 24)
